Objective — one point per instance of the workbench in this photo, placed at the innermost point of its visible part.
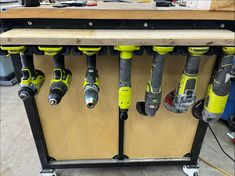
(69, 135)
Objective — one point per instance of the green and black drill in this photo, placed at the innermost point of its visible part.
(91, 85)
(31, 80)
(62, 77)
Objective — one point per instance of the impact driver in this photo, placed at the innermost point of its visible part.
(31, 80)
(62, 77)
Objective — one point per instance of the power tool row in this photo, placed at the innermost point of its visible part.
(179, 100)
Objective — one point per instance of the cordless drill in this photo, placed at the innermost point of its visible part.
(185, 94)
(124, 91)
(219, 88)
(31, 80)
(62, 77)
(153, 91)
(91, 82)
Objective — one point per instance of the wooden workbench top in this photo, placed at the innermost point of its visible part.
(47, 11)
(117, 37)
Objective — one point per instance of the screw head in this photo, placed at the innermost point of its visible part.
(90, 23)
(30, 23)
(145, 24)
(222, 25)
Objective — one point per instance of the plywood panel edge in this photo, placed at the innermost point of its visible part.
(223, 5)
(117, 37)
(115, 14)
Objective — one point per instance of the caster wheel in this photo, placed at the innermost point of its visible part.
(191, 170)
(231, 123)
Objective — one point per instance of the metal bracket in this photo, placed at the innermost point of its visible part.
(48, 172)
(191, 170)
(117, 157)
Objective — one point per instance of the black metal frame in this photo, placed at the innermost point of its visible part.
(116, 24)
(120, 159)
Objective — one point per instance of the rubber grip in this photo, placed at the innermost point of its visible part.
(91, 73)
(215, 103)
(227, 61)
(219, 85)
(125, 72)
(192, 65)
(157, 72)
(27, 63)
(58, 61)
(91, 61)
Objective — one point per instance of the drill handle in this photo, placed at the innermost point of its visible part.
(157, 72)
(58, 61)
(91, 73)
(125, 72)
(192, 65)
(27, 65)
(124, 91)
(91, 61)
(221, 82)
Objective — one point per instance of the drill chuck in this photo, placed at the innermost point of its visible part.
(25, 93)
(59, 86)
(55, 96)
(30, 86)
(91, 95)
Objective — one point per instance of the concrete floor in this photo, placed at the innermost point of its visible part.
(19, 156)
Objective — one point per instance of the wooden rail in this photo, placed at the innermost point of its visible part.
(117, 37)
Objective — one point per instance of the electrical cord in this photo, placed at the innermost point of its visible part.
(220, 144)
(215, 167)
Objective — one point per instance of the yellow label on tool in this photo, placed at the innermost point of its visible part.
(214, 103)
(124, 97)
(183, 83)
